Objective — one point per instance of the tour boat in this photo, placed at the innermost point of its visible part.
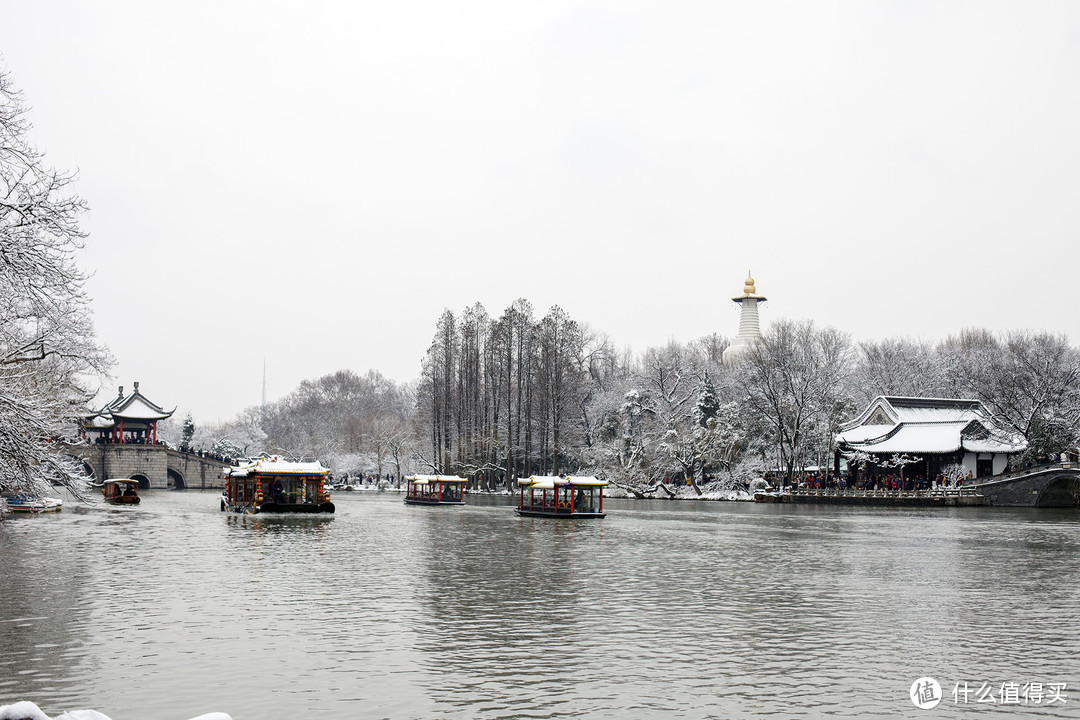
(435, 490)
(273, 485)
(27, 504)
(561, 497)
(121, 491)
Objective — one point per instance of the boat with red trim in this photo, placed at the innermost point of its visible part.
(274, 485)
(435, 490)
(567, 497)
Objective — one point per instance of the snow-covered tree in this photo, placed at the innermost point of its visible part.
(226, 448)
(794, 379)
(47, 344)
(187, 434)
(1029, 380)
(901, 367)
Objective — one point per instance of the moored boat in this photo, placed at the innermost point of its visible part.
(561, 497)
(121, 491)
(273, 485)
(27, 504)
(435, 490)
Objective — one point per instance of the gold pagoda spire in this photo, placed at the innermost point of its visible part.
(749, 289)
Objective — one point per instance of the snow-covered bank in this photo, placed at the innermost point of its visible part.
(29, 711)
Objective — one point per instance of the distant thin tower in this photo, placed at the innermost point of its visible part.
(262, 408)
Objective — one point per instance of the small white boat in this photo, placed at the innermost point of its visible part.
(25, 504)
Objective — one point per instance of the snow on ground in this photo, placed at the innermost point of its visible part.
(29, 711)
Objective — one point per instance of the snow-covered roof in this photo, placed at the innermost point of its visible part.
(121, 480)
(547, 482)
(132, 407)
(863, 433)
(990, 445)
(136, 407)
(927, 425)
(585, 480)
(542, 482)
(892, 410)
(275, 466)
(913, 437)
(427, 479)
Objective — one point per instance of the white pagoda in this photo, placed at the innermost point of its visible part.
(749, 329)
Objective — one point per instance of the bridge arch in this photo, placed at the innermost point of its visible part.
(174, 479)
(144, 482)
(1062, 491)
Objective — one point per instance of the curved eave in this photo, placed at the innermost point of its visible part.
(140, 418)
(984, 446)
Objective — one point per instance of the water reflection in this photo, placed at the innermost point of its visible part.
(503, 614)
(662, 609)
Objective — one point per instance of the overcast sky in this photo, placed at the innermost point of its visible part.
(314, 183)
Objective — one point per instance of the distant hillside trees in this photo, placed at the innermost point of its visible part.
(352, 423)
(47, 342)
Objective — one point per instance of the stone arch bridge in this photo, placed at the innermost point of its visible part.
(154, 466)
(1056, 485)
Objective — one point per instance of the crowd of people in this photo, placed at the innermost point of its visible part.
(879, 482)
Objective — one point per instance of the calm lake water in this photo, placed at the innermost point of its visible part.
(661, 610)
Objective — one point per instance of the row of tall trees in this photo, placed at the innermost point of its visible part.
(502, 396)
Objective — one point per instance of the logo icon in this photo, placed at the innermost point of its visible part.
(925, 693)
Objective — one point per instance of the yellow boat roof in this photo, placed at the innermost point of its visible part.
(425, 479)
(547, 482)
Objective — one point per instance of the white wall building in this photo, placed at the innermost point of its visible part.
(937, 431)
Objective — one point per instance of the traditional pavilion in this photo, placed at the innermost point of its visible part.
(749, 330)
(127, 419)
(924, 436)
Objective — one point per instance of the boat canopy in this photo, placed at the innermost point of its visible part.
(119, 481)
(585, 480)
(276, 466)
(548, 482)
(427, 479)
